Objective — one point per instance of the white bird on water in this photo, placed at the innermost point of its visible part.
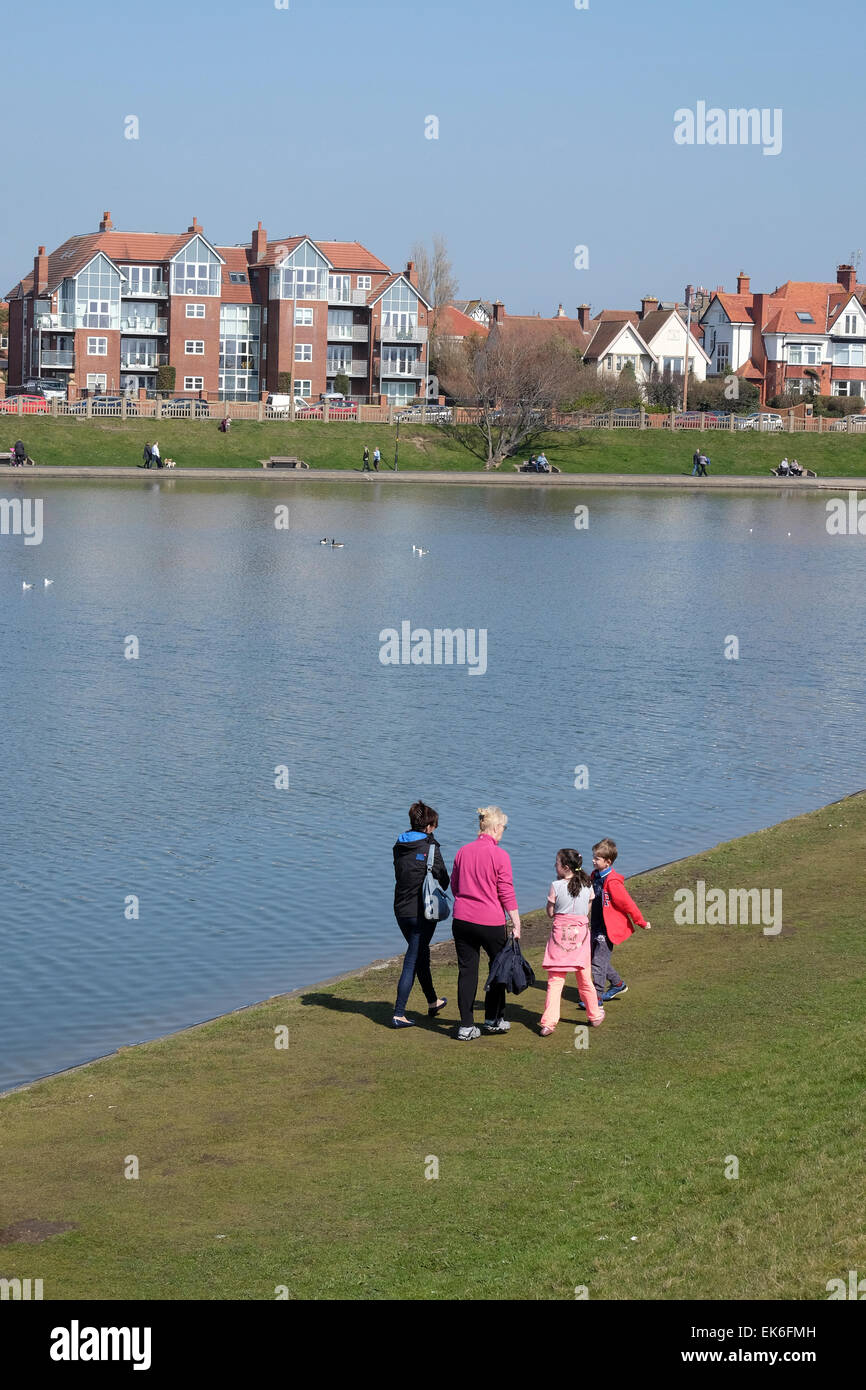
(25, 585)
(423, 552)
(46, 582)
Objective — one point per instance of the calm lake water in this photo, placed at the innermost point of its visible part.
(260, 648)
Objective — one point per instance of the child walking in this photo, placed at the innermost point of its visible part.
(568, 944)
(614, 917)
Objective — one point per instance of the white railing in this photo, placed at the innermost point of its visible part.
(415, 369)
(416, 334)
(132, 324)
(57, 359)
(158, 291)
(347, 368)
(348, 332)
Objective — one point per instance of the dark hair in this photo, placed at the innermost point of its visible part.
(573, 861)
(421, 815)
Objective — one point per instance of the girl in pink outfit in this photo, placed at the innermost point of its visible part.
(568, 947)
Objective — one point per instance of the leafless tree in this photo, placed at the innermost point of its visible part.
(515, 382)
(436, 279)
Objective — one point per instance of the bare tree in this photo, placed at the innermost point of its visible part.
(436, 279)
(516, 382)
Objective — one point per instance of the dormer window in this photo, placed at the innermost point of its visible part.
(850, 323)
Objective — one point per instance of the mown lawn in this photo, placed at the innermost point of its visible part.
(199, 444)
(558, 1167)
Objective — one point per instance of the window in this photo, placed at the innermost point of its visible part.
(143, 280)
(400, 361)
(138, 353)
(303, 352)
(195, 311)
(849, 355)
(301, 275)
(400, 312)
(626, 361)
(723, 356)
(237, 277)
(194, 347)
(304, 317)
(193, 383)
(850, 323)
(97, 347)
(608, 362)
(672, 364)
(239, 351)
(804, 354)
(339, 289)
(365, 282)
(96, 381)
(340, 323)
(303, 388)
(339, 360)
(195, 270)
(97, 295)
(804, 317)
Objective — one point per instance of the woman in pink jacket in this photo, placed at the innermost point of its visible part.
(483, 892)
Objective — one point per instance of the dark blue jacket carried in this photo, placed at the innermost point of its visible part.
(410, 866)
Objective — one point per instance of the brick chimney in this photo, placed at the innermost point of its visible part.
(498, 311)
(846, 276)
(743, 283)
(260, 243)
(106, 225)
(40, 272)
(648, 305)
(583, 312)
(411, 273)
(195, 226)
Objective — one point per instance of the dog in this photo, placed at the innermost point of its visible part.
(170, 463)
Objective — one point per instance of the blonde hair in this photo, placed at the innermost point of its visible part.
(489, 817)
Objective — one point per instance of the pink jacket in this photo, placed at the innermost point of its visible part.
(482, 884)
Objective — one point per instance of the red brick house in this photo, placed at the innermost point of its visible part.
(105, 310)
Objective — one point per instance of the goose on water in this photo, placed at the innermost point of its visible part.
(337, 544)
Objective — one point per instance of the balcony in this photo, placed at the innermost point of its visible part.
(156, 291)
(339, 296)
(132, 324)
(142, 361)
(400, 369)
(57, 359)
(415, 334)
(347, 369)
(46, 322)
(349, 333)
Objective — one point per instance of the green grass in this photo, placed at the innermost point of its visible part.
(310, 1161)
(199, 444)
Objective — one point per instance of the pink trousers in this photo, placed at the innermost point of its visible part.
(585, 988)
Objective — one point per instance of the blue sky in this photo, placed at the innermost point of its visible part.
(555, 130)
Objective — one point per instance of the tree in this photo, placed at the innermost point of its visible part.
(436, 279)
(284, 383)
(515, 382)
(165, 378)
(342, 384)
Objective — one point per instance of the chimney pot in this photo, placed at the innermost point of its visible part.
(583, 316)
(846, 276)
(498, 311)
(648, 304)
(743, 283)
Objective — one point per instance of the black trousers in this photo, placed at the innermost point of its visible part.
(469, 938)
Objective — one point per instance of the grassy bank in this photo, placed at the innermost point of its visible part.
(305, 1167)
(199, 444)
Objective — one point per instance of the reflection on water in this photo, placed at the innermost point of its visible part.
(154, 778)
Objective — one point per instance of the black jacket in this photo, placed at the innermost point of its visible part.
(511, 969)
(410, 867)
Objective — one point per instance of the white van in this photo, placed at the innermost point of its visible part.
(282, 405)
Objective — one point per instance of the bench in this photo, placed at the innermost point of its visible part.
(283, 461)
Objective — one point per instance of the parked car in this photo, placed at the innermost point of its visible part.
(30, 405)
(183, 405)
(433, 414)
(46, 386)
(104, 405)
(282, 404)
(760, 420)
(340, 407)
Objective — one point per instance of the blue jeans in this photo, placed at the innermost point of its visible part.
(418, 933)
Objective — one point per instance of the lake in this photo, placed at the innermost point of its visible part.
(152, 777)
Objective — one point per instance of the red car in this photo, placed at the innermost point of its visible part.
(30, 405)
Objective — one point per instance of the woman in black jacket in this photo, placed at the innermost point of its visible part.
(410, 868)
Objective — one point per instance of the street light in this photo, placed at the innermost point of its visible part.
(690, 297)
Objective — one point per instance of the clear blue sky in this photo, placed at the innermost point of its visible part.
(555, 129)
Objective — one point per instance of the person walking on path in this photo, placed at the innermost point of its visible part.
(155, 454)
(483, 889)
(410, 868)
(696, 463)
(568, 944)
(147, 455)
(366, 467)
(377, 459)
(613, 917)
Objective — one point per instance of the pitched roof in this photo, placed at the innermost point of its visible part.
(377, 291)
(351, 255)
(280, 247)
(235, 258)
(738, 307)
(451, 323)
(536, 329)
(606, 335)
(140, 248)
(617, 316)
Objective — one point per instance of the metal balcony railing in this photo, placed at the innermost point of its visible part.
(415, 333)
(57, 359)
(156, 291)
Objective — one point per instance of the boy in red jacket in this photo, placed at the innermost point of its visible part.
(613, 917)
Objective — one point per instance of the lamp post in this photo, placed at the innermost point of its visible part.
(686, 359)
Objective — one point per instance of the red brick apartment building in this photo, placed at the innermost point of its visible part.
(107, 308)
